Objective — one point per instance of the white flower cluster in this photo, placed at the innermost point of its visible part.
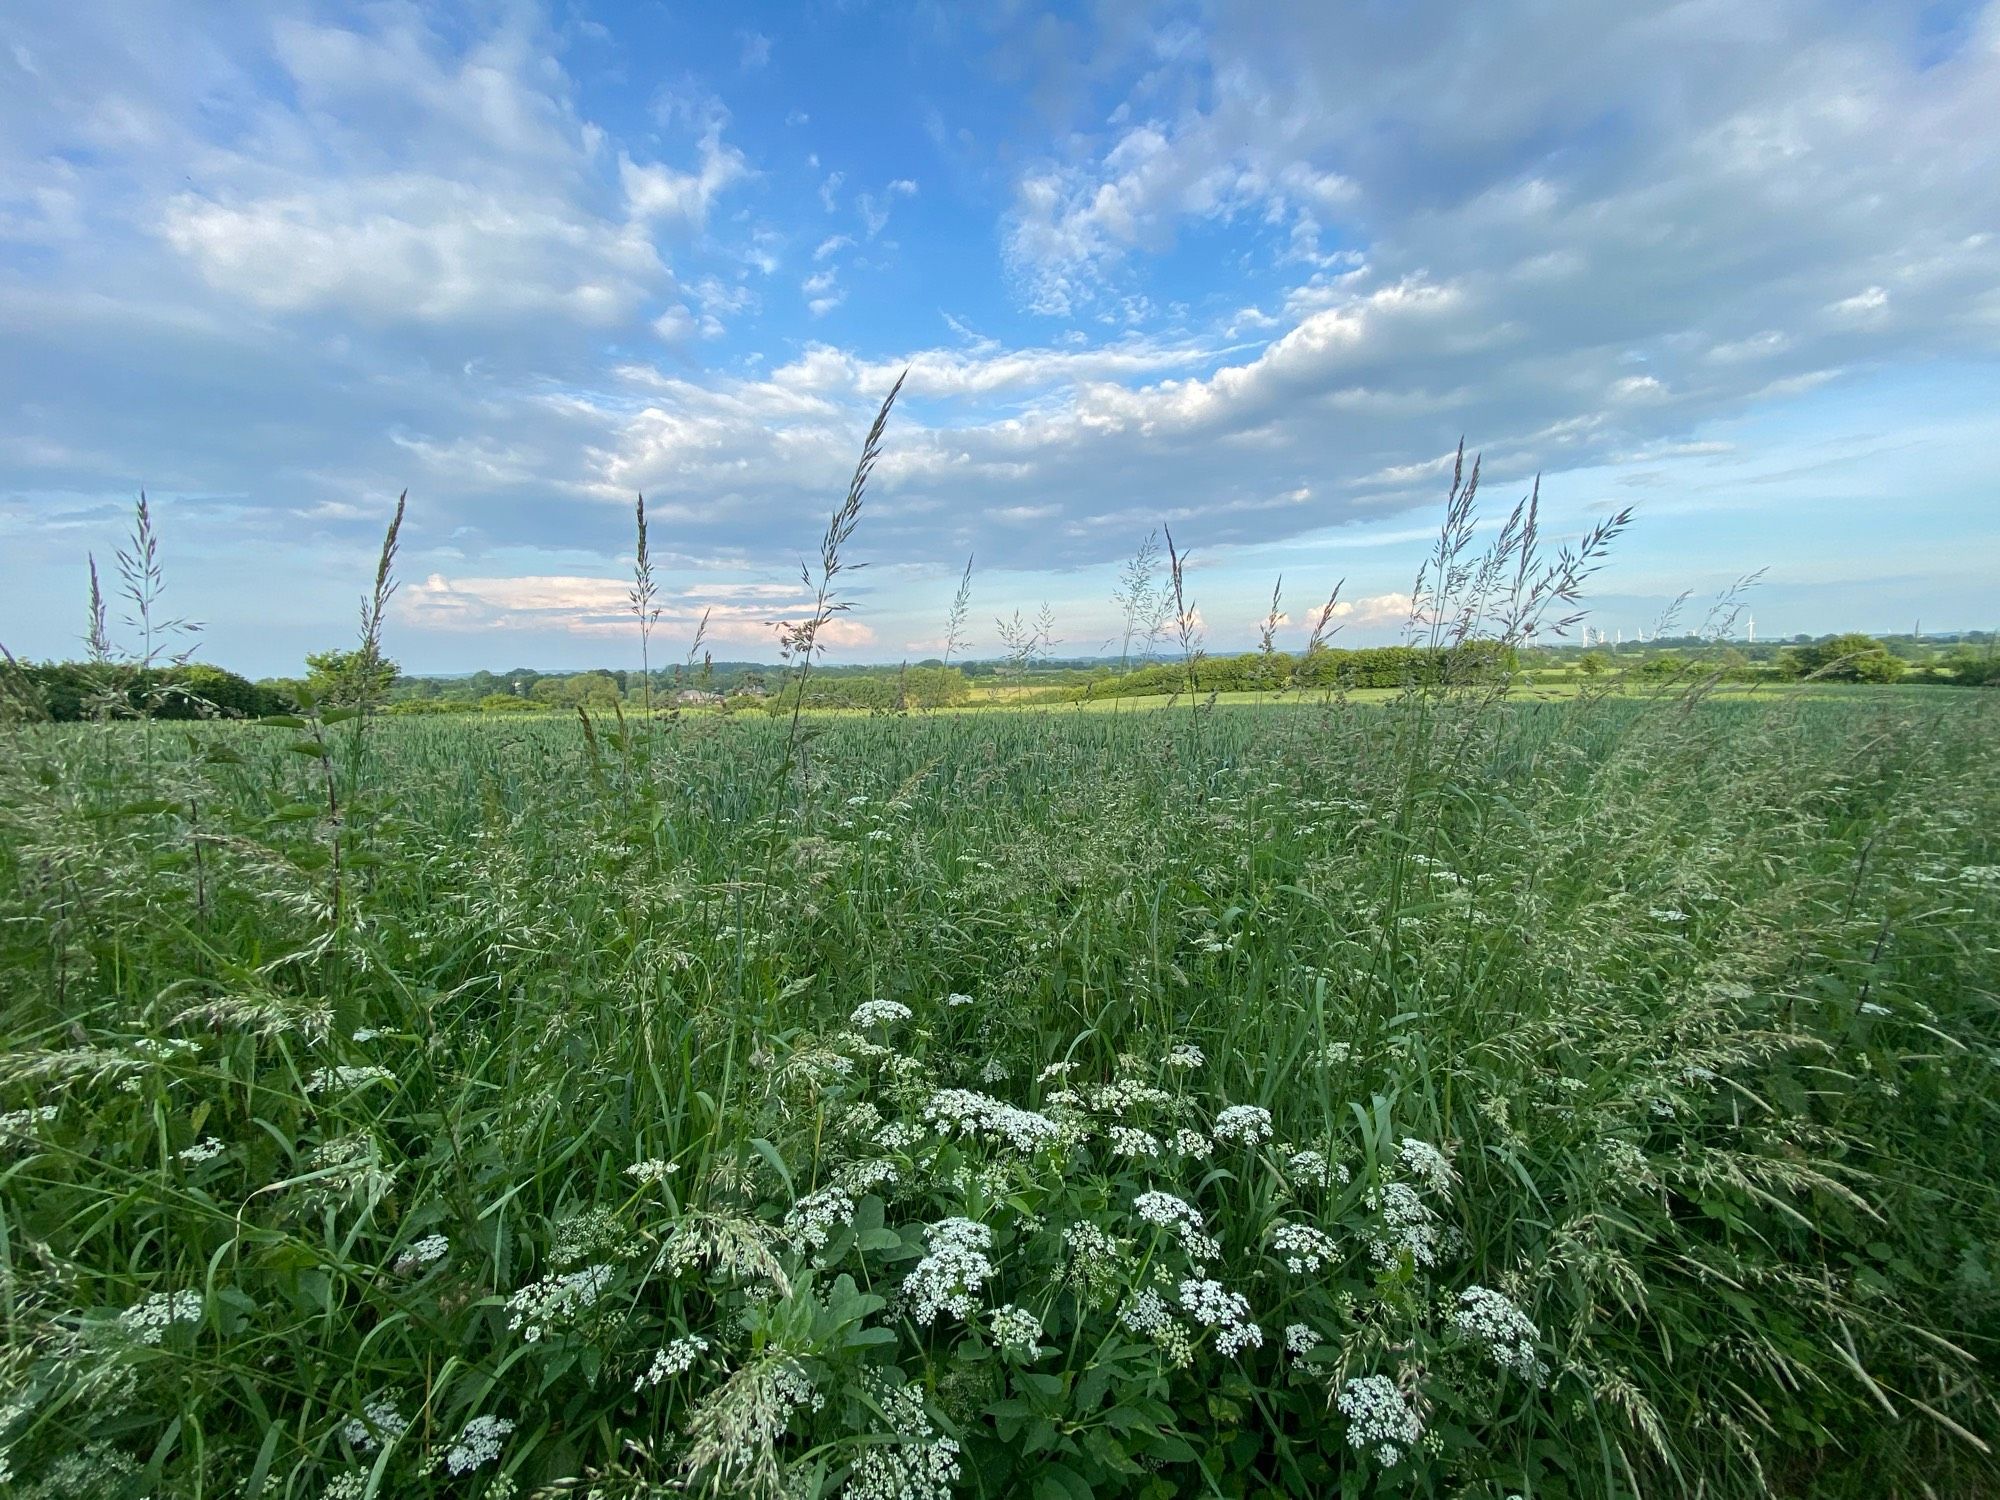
(345, 1078)
(1486, 1317)
(1408, 1224)
(954, 1000)
(149, 1321)
(1169, 1212)
(17, 1121)
(1096, 1259)
(380, 1422)
(593, 1234)
(995, 1071)
(1146, 1313)
(1312, 1167)
(949, 1278)
(921, 1465)
(1426, 1163)
(432, 1247)
(555, 1300)
(1333, 1054)
(1304, 1248)
(206, 1149)
(651, 1170)
(1300, 1340)
(1378, 1416)
(1243, 1125)
(898, 1135)
(477, 1444)
(878, 1013)
(981, 1115)
(813, 1219)
(1212, 1305)
(1192, 1143)
(676, 1359)
(1124, 1096)
(1017, 1330)
(1129, 1140)
(1186, 1055)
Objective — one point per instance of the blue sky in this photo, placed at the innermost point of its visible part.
(1247, 271)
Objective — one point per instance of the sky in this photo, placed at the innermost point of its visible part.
(1249, 272)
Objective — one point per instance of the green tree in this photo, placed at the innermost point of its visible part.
(1852, 657)
(342, 679)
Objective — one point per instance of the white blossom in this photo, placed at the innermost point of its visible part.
(878, 1013)
(1016, 1329)
(556, 1300)
(981, 1116)
(432, 1247)
(1243, 1125)
(1300, 1340)
(676, 1359)
(380, 1422)
(1426, 1163)
(149, 1321)
(1484, 1316)
(1212, 1305)
(1378, 1416)
(651, 1170)
(203, 1150)
(948, 1279)
(477, 1444)
(814, 1218)
(1304, 1248)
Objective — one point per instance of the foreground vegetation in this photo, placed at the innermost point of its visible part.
(1436, 1097)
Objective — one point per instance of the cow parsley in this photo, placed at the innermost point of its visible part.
(432, 1247)
(380, 1422)
(149, 1321)
(1379, 1416)
(1304, 1248)
(556, 1300)
(1426, 1163)
(1484, 1316)
(1212, 1305)
(949, 1278)
(477, 1444)
(878, 1013)
(1243, 1125)
(814, 1218)
(984, 1117)
(676, 1359)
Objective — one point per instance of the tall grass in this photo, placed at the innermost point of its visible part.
(1452, 1096)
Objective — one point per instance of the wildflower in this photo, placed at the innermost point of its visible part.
(1312, 1167)
(898, 1136)
(949, 1278)
(1186, 1055)
(1054, 1070)
(1870, 1008)
(1192, 1143)
(1304, 1248)
(589, 1234)
(955, 1000)
(149, 1321)
(380, 1422)
(1300, 1340)
(203, 1150)
(1408, 1225)
(556, 1300)
(864, 1176)
(1333, 1054)
(1146, 1313)
(351, 1484)
(477, 1444)
(1667, 914)
(676, 1359)
(1378, 1414)
(1212, 1305)
(1169, 1212)
(346, 1079)
(995, 1071)
(1484, 1316)
(1096, 1259)
(1017, 1330)
(651, 1170)
(878, 1013)
(980, 1115)
(1426, 1163)
(367, 1034)
(17, 1121)
(424, 1252)
(1127, 1140)
(814, 1218)
(921, 1465)
(1243, 1124)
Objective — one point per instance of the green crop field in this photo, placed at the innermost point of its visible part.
(1448, 1096)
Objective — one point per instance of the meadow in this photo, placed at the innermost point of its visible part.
(1448, 1096)
(1452, 1091)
